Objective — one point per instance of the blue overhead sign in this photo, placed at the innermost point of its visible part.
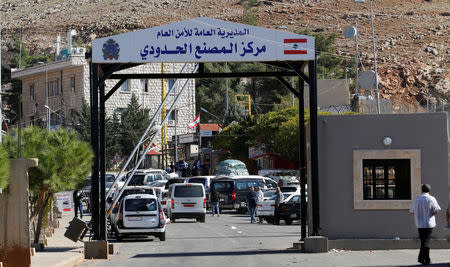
(203, 40)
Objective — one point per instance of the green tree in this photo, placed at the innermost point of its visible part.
(64, 163)
(235, 138)
(133, 123)
(4, 168)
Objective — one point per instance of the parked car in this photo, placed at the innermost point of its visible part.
(158, 185)
(163, 196)
(206, 181)
(281, 176)
(187, 201)
(146, 176)
(266, 209)
(227, 194)
(290, 209)
(233, 190)
(139, 214)
(290, 189)
(174, 181)
(129, 190)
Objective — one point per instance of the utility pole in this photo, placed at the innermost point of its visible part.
(357, 69)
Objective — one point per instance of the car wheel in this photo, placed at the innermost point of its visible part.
(269, 220)
(288, 221)
(172, 219)
(162, 236)
(202, 219)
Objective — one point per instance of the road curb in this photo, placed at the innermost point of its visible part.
(72, 261)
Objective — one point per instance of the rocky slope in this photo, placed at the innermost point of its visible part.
(412, 36)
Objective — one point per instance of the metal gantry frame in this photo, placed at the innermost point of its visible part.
(102, 72)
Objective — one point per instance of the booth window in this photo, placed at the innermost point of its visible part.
(386, 179)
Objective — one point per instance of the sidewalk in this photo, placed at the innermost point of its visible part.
(60, 251)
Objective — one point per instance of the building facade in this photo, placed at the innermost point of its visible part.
(68, 84)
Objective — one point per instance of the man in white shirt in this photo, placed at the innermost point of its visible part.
(424, 208)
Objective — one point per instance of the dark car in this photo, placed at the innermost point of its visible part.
(227, 193)
(174, 181)
(233, 190)
(290, 210)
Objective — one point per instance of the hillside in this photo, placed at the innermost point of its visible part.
(412, 36)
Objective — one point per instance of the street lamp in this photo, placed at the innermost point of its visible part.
(46, 94)
(374, 54)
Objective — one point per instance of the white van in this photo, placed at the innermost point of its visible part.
(140, 214)
(186, 201)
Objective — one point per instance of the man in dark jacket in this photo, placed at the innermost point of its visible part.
(78, 205)
(278, 199)
(251, 203)
(214, 198)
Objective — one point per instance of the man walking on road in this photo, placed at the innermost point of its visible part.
(278, 199)
(251, 202)
(424, 208)
(214, 198)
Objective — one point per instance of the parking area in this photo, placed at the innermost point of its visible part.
(231, 240)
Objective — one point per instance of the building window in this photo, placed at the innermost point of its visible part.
(32, 92)
(53, 88)
(386, 179)
(72, 84)
(171, 83)
(124, 86)
(172, 115)
(144, 86)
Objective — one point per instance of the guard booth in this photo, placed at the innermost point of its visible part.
(198, 41)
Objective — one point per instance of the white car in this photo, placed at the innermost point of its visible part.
(186, 201)
(266, 209)
(139, 214)
(163, 198)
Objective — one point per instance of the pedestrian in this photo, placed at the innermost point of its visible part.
(259, 201)
(172, 167)
(78, 204)
(214, 198)
(251, 203)
(278, 199)
(424, 208)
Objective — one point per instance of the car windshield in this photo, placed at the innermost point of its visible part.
(137, 179)
(138, 191)
(288, 189)
(110, 177)
(188, 191)
(140, 204)
(158, 183)
(269, 193)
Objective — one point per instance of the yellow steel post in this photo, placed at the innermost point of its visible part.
(164, 128)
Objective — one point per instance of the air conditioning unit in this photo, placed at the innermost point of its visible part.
(78, 50)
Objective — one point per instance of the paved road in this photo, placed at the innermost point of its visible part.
(230, 240)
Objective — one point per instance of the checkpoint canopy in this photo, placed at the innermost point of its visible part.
(203, 40)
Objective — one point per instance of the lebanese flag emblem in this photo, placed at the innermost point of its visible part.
(295, 46)
(195, 122)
